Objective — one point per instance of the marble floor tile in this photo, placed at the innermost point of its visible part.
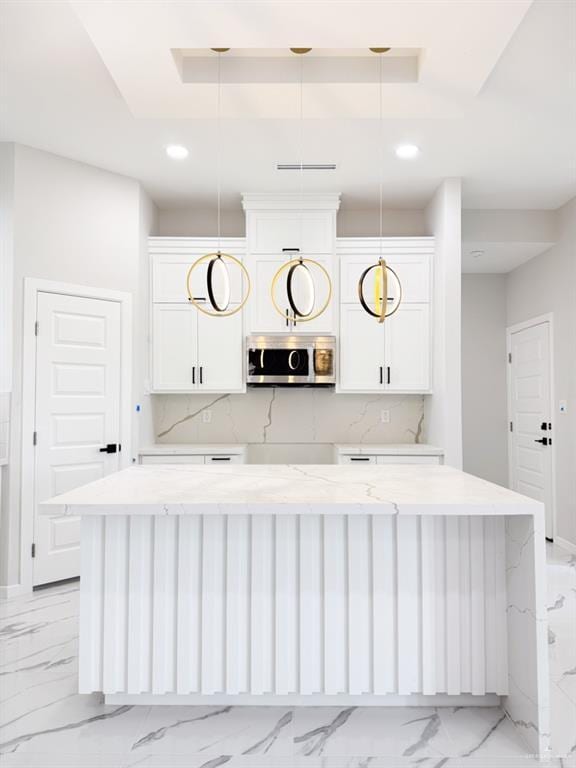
(45, 724)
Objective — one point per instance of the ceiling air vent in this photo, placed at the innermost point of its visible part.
(305, 166)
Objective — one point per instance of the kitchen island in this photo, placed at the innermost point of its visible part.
(282, 584)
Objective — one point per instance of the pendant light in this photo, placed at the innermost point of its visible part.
(217, 273)
(299, 284)
(382, 305)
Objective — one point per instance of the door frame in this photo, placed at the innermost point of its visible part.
(32, 287)
(511, 329)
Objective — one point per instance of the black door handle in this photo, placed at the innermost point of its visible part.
(110, 448)
(544, 441)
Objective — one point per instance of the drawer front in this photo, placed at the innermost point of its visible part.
(408, 460)
(169, 459)
(232, 458)
(358, 460)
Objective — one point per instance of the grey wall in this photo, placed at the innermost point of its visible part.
(546, 284)
(202, 222)
(484, 416)
(72, 223)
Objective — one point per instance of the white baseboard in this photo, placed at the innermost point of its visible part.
(565, 544)
(13, 590)
(311, 700)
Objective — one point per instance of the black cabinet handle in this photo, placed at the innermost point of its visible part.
(286, 318)
(219, 458)
(381, 376)
(387, 374)
(110, 448)
(193, 374)
(201, 382)
(290, 250)
(359, 458)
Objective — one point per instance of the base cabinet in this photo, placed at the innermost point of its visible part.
(193, 458)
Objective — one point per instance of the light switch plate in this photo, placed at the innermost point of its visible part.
(385, 417)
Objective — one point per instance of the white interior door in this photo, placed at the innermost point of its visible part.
(77, 412)
(530, 416)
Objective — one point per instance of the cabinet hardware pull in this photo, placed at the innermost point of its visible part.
(199, 298)
(381, 376)
(286, 318)
(290, 250)
(387, 374)
(201, 382)
(193, 374)
(219, 458)
(359, 458)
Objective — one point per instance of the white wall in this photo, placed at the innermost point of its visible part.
(443, 412)
(351, 222)
(77, 224)
(484, 416)
(545, 284)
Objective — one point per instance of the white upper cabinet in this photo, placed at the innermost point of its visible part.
(410, 258)
(280, 228)
(393, 356)
(307, 232)
(190, 351)
(171, 258)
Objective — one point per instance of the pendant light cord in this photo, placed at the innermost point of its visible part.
(218, 145)
(381, 142)
(301, 146)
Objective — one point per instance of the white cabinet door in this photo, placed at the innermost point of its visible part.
(280, 231)
(413, 270)
(407, 349)
(174, 348)
(361, 351)
(220, 353)
(263, 316)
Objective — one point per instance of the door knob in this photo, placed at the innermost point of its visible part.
(110, 448)
(544, 441)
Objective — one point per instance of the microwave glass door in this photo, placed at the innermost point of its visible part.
(278, 362)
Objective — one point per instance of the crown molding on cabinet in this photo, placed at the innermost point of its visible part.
(290, 201)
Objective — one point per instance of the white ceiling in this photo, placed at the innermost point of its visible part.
(495, 101)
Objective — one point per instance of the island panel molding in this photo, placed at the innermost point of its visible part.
(381, 605)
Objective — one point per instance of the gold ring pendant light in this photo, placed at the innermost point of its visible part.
(381, 270)
(298, 268)
(218, 262)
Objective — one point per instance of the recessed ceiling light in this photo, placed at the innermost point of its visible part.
(177, 151)
(407, 151)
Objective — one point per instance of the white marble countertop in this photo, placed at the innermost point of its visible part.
(187, 449)
(390, 449)
(292, 489)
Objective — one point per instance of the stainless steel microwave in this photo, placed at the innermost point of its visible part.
(283, 360)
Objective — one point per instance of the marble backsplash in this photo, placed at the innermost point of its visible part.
(288, 424)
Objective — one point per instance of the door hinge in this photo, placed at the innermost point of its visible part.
(511, 427)
(34, 438)
(509, 357)
(33, 550)
(36, 327)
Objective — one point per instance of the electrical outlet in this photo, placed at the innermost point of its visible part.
(207, 416)
(385, 417)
